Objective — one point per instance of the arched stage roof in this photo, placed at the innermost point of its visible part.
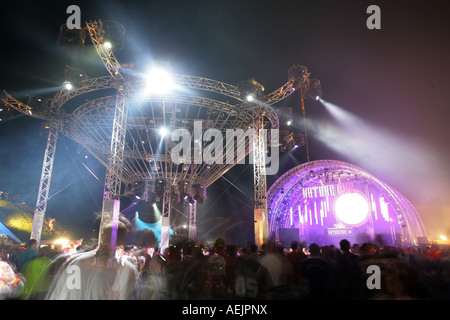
(302, 202)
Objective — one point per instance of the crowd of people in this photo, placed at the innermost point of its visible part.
(194, 271)
(7, 196)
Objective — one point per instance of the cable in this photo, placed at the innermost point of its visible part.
(81, 176)
(199, 218)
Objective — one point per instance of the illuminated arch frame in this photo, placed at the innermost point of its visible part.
(286, 192)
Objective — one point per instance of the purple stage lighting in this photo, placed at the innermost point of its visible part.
(326, 201)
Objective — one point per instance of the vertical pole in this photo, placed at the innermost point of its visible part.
(44, 185)
(113, 179)
(193, 221)
(304, 122)
(260, 184)
(165, 220)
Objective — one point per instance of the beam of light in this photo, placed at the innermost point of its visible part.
(90, 171)
(340, 114)
(163, 131)
(35, 92)
(67, 85)
(390, 155)
(127, 208)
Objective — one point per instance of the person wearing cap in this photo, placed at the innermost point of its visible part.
(219, 268)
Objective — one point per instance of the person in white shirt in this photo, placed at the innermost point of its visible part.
(97, 274)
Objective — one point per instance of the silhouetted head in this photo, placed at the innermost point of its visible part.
(219, 244)
(345, 245)
(314, 249)
(32, 243)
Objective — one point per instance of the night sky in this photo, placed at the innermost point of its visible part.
(392, 83)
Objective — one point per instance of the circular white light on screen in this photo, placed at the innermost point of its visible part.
(351, 208)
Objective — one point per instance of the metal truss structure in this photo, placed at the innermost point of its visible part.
(260, 183)
(111, 118)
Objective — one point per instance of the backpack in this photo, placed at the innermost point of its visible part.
(216, 277)
(216, 265)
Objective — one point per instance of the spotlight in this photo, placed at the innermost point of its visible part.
(315, 90)
(114, 36)
(68, 85)
(158, 81)
(199, 192)
(137, 197)
(163, 132)
(299, 74)
(286, 116)
(250, 90)
(73, 78)
(71, 41)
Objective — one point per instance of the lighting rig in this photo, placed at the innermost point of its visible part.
(128, 132)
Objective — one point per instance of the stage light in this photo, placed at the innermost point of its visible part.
(68, 85)
(158, 81)
(443, 238)
(163, 132)
(71, 41)
(351, 209)
(250, 90)
(314, 91)
(114, 36)
(63, 242)
(137, 197)
(289, 122)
